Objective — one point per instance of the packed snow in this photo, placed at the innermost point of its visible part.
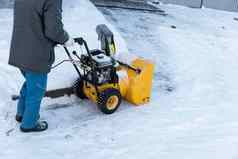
(193, 111)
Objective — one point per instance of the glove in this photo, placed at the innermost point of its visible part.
(69, 43)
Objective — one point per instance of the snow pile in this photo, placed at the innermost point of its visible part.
(80, 18)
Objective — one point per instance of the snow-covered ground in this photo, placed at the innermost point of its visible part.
(193, 112)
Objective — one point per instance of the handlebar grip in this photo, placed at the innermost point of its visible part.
(80, 40)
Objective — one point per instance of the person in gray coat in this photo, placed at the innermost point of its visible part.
(37, 29)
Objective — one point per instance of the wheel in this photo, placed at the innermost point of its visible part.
(109, 100)
(78, 89)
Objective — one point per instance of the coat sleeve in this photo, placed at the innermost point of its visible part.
(53, 25)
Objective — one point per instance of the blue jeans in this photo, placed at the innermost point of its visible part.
(31, 94)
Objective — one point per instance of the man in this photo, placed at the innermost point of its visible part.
(38, 28)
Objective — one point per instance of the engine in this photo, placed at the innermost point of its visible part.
(99, 68)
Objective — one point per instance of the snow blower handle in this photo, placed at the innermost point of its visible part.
(71, 59)
(81, 42)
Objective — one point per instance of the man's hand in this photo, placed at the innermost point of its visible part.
(69, 43)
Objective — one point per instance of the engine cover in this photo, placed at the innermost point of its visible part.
(101, 60)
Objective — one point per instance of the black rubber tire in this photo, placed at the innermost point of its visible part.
(103, 99)
(78, 89)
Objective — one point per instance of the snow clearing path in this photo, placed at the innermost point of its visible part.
(193, 112)
(196, 58)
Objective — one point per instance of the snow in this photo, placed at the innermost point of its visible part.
(193, 112)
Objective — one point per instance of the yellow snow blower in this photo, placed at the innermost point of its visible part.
(103, 79)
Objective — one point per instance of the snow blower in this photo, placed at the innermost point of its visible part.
(105, 80)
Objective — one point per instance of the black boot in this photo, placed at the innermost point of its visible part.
(40, 126)
(18, 118)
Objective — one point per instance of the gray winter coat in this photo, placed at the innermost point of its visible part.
(37, 29)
